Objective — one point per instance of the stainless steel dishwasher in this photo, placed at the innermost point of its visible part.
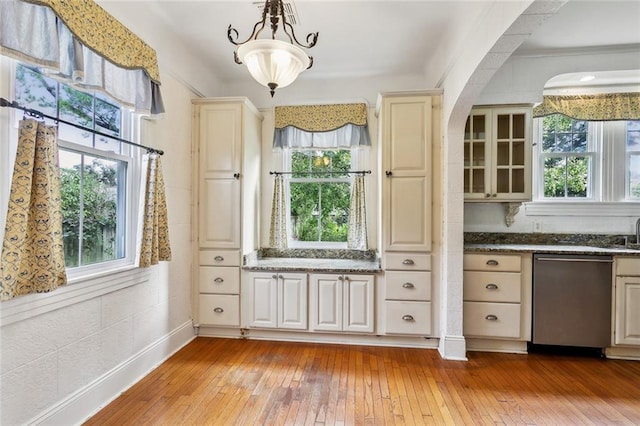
(572, 300)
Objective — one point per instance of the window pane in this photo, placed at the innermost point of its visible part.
(76, 106)
(554, 177)
(633, 135)
(577, 176)
(634, 176)
(563, 134)
(70, 166)
(36, 91)
(304, 211)
(107, 118)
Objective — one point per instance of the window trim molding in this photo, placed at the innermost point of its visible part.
(582, 208)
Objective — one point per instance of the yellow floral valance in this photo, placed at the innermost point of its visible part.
(320, 118)
(105, 35)
(599, 107)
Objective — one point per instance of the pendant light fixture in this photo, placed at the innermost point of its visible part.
(271, 62)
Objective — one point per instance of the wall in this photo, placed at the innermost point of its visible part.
(66, 353)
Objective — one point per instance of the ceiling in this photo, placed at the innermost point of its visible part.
(375, 37)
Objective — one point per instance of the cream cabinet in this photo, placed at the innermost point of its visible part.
(627, 300)
(277, 300)
(226, 142)
(496, 290)
(497, 154)
(342, 302)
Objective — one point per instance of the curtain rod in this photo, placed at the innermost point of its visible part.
(340, 172)
(37, 114)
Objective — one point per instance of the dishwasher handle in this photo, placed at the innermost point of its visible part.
(569, 259)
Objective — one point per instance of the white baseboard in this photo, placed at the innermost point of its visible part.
(87, 401)
(453, 348)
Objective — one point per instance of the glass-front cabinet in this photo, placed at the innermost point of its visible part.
(497, 154)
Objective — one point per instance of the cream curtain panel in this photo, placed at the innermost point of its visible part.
(357, 236)
(79, 42)
(321, 126)
(278, 231)
(599, 107)
(154, 245)
(32, 253)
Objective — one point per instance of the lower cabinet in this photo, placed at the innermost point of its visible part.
(277, 300)
(342, 303)
(627, 300)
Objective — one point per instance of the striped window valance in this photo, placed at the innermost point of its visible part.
(321, 126)
(78, 41)
(598, 107)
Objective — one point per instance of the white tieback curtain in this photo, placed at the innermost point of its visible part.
(278, 231)
(357, 236)
(83, 45)
(154, 245)
(32, 258)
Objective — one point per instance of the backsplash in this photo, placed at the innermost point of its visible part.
(595, 240)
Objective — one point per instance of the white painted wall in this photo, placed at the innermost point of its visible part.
(64, 361)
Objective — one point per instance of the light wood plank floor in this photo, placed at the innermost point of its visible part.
(247, 382)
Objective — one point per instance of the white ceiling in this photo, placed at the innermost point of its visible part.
(371, 38)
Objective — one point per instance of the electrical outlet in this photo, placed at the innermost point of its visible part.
(537, 226)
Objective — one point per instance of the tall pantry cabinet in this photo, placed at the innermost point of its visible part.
(409, 126)
(227, 133)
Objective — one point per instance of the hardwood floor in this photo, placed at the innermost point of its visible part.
(247, 382)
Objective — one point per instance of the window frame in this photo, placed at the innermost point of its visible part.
(286, 159)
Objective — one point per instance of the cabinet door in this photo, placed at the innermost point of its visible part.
(408, 214)
(292, 301)
(511, 157)
(627, 318)
(263, 300)
(220, 140)
(477, 154)
(358, 303)
(327, 302)
(220, 213)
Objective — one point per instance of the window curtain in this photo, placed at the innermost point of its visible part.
(32, 258)
(278, 231)
(339, 126)
(81, 44)
(154, 245)
(357, 236)
(598, 107)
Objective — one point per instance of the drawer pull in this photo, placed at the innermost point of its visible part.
(408, 317)
(218, 280)
(218, 258)
(408, 285)
(492, 262)
(218, 310)
(340, 277)
(491, 286)
(408, 262)
(491, 317)
(275, 277)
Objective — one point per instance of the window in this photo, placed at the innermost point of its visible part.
(319, 197)
(590, 161)
(95, 170)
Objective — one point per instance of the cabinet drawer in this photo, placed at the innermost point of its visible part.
(484, 319)
(408, 285)
(219, 309)
(407, 261)
(628, 267)
(220, 279)
(407, 317)
(492, 262)
(220, 257)
(492, 286)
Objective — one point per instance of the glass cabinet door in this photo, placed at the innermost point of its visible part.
(476, 154)
(511, 158)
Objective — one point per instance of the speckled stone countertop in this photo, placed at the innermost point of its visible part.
(478, 242)
(313, 260)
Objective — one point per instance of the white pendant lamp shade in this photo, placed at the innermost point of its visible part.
(273, 63)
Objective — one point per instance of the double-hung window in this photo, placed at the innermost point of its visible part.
(97, 172)
(319, 197)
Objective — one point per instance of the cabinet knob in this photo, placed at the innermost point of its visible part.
(408, 262)
(408, 285)
(346, 278)
(236, 175)
(218, 310)
(340, 278)
(388, 173)
(408, 317)
(494, 195)
(492, 262)
(491, 317)
(218, 280)
(275, 277)
(491, 286)
(487, 195)
(218, 258)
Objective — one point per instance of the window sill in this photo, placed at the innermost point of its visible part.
(582, 208)
(76, 291)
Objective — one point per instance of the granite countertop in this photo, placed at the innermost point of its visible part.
(591, 244)
(313, 260)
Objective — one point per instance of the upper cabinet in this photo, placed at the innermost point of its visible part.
(497, 154)
(407, 131)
